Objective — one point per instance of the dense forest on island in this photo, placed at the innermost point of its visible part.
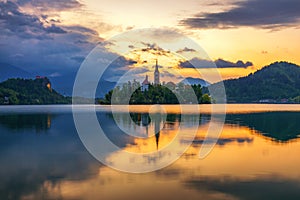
(156, 94)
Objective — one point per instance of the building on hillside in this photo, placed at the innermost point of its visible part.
(145, 84)
(45, 82)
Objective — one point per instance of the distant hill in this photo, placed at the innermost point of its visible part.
(9, 71)
(29, 91)
(195, 81)
(276, 83)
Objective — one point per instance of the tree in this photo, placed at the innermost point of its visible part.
(28, 91)
(206, 99)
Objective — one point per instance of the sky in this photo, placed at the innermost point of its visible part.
(53, 37)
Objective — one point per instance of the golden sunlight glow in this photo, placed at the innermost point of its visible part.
(227, 158)
(259, 46)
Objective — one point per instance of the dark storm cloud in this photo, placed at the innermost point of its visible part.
(268, 14)
(45, 5)
(220, 63)
(16, 23)
(118, 67)
(82, 29)
(41, 46)
(47, 45)
(12, 21)
(54, 29)
(122, 61)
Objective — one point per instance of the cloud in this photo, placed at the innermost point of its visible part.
(164, 34)
(51, 5)
(185, 49)
(55, 74)
(122, 61)
(154, 49)
(82, 29)
(266, 14)
(17, 23)
(152, 46)
(131, 46)
(54, 29)
(197, 63)
(40, 47)
(40, 43)
(227, 64)
(118, 68)
(220, 63)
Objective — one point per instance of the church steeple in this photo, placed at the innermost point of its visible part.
(156, 74)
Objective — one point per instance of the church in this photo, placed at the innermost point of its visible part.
(146, 83)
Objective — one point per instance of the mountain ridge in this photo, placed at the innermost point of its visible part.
(195, 81)
(278, 82)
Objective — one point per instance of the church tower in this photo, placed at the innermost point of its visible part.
(156, 75)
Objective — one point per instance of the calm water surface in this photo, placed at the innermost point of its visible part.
(256, 157)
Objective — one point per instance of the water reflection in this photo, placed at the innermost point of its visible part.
(259, 188)
(243, 165)
(32, 162)
(151, 127)
(278, 126)
(18, 122)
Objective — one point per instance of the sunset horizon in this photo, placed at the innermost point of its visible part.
(52, 38)
(149, 99)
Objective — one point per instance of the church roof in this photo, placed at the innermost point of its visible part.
(146, 82)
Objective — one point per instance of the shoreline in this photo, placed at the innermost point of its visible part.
(170, 109)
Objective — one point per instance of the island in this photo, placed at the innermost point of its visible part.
(168, 93)
(156, 92)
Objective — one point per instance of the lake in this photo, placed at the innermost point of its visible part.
(256, 155)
